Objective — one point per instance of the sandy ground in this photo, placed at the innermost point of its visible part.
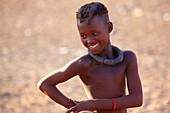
(39, 36)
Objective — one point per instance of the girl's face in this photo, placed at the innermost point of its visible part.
(95, 36)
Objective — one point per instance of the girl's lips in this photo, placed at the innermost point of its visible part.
(93, 46)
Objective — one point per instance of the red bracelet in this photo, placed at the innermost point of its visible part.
(68, 104)
(114, 104)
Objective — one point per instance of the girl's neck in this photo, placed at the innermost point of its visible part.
(107, 52)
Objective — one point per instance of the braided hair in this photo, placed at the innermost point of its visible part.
(89, 10)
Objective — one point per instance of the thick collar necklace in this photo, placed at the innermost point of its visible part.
(106, 61)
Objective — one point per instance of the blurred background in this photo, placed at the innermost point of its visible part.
(39, 36)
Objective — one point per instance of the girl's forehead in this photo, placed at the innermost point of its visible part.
(96, 21)
(92, 26)
(95, 25)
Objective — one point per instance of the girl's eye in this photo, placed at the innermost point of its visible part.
(83, 36)
(95, 33)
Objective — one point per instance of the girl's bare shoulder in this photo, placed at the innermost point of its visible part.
(84, 61)
(129, 56)
(129, 53)
(77, 65)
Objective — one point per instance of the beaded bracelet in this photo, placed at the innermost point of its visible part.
(114, 104)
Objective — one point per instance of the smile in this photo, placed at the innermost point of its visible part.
(93, 46)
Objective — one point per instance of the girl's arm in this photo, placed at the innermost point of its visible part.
(48, 84)
(135, 97)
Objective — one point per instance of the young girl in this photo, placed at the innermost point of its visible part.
(103, 69)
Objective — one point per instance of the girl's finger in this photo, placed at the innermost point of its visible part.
(71, 109)
(76, 111)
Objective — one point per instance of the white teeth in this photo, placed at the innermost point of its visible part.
(94, 45)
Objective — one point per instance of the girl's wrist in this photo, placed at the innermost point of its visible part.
(70, 104)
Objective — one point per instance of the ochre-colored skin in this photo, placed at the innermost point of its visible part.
(102, 82)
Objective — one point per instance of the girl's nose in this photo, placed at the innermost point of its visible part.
(90, 40)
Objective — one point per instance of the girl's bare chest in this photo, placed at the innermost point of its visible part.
(105, 74)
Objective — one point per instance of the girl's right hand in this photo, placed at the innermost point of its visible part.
(88, 105)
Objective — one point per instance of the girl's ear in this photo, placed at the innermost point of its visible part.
(110, 27)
